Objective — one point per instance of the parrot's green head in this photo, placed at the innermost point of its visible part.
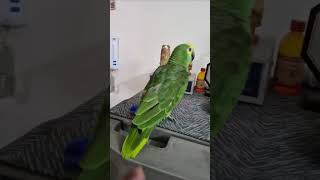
(183, 55)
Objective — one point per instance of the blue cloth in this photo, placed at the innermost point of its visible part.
(133, 109)
(73, 153)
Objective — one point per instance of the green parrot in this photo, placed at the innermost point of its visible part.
(162, 93)
(96, 161)
(231, 47)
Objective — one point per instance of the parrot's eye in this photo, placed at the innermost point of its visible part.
(190, 49)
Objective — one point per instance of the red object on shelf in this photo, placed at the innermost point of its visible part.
(297, 26)
(199, 90)
(287, 90)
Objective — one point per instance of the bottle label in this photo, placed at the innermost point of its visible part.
(200, 84)
(289, 71)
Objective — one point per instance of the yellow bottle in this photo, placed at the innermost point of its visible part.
(200, 85)
(289, 72)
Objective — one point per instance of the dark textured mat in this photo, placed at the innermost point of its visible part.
(40, 151)
(277, 141)
(191, 117)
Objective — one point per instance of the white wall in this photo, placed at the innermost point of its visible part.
(60, 60)
(143, 26)
(278, 15)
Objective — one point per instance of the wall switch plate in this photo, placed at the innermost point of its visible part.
(112, 5)
(12, 12)
(114, 53)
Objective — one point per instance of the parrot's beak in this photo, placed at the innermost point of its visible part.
(193, 55)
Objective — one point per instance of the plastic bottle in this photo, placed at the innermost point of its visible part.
(289, 73)
(200, 85)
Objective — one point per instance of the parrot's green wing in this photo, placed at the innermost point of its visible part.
(162, 94)
(231, 48)
(96, 158)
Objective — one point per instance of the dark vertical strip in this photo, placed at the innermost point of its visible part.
(230, 42)
(107, 105)
(230, 52)
(96, 162)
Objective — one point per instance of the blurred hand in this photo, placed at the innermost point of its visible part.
(135, 174)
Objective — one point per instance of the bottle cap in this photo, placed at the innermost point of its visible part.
(297, 26)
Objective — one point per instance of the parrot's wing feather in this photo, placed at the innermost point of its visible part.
(162, 93)
(232, 53)
(150, 82)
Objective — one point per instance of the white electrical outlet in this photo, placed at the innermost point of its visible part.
(12, 12)
(114, 53)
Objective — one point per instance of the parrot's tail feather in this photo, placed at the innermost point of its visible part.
(134, 142)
